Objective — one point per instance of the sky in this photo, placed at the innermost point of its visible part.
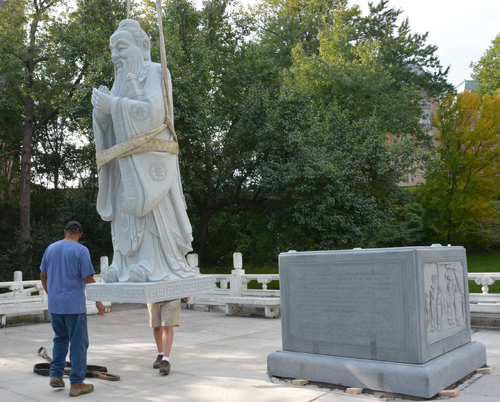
(461, 29)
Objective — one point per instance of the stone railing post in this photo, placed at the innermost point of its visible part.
(485, 282)
(237, 276)
(104, 262)
(18, 288)
(192, 260)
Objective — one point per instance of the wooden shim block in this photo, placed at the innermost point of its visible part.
(450, 392)
(300, 382)
(354, 391)
(485, 370)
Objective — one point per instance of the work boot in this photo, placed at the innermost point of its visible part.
(79, 389)
(164, 367)
(56, 382)
(157, 362)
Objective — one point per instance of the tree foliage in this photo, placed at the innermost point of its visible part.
(43, 62)
(282, 114)
(487, 70)
(462, 185)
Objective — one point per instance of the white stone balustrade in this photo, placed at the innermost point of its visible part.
(485, 279)
(484, 302)
(22, 298)
(29, 297)
(25, 297)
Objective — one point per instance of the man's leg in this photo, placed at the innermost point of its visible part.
(61, 343)
(167, 341)
(155, 323)
(79, 343)
(158, 334)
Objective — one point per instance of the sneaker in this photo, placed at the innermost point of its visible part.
(157, 362)
(56, 382)
(79, 389)
(164, 367)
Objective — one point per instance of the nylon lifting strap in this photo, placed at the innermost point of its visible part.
(145, 142)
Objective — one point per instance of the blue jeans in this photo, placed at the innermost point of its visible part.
(70, 330)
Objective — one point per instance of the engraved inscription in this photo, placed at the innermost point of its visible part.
(357, 304)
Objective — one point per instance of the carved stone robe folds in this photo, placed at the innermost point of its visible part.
(141, 194)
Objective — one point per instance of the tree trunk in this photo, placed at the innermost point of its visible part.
(25, 191)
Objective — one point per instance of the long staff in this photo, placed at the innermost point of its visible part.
(166, 84)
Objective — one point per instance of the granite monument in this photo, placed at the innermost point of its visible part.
(393, 320)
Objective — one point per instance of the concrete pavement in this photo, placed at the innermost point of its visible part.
(215, 358)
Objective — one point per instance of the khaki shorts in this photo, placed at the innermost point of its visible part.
(167, 314)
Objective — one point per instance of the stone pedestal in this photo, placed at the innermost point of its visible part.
(149, 292)
(374, 318)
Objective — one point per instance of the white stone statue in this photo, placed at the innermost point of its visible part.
(140, 189)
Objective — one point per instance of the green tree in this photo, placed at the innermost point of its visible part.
(406, 55)
(283, 24)
(487, 70)
(44, 58)
(461, 189)
(214, 72)
(327, 169)
(326, 179)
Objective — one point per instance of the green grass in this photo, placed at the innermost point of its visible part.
(484, 262)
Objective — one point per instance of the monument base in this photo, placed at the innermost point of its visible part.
(421, 380)
(149, 292)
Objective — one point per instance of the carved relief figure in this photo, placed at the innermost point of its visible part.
(139, 181)
(458, 303)
(439, 308)
(427, 308)
(432, 303)
(450, 311)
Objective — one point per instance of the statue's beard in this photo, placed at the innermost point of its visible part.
(121, 86)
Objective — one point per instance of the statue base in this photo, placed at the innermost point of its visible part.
(420, 380)
(149, 292)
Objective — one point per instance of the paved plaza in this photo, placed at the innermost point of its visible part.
(215, 358)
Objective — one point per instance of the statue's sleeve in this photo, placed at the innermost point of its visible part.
(147, 177)
(108, 175)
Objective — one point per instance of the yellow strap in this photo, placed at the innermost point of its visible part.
(155, 146)
(137, 144)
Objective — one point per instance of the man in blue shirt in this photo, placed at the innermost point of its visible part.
(66, 269)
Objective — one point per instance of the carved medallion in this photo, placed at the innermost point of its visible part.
(158, 171)
(140, 112)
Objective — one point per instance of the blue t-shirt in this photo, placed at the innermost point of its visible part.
(66, 263)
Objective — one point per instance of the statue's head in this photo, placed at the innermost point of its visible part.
(130, 52)
(131, 32)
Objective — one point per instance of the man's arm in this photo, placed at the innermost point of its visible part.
(100, 307)
(43, 278)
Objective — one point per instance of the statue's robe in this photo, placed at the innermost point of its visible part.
(141, 194)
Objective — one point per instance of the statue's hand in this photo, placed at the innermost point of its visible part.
(101, 101)
(104, 89)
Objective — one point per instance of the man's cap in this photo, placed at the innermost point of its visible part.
(74, 225)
